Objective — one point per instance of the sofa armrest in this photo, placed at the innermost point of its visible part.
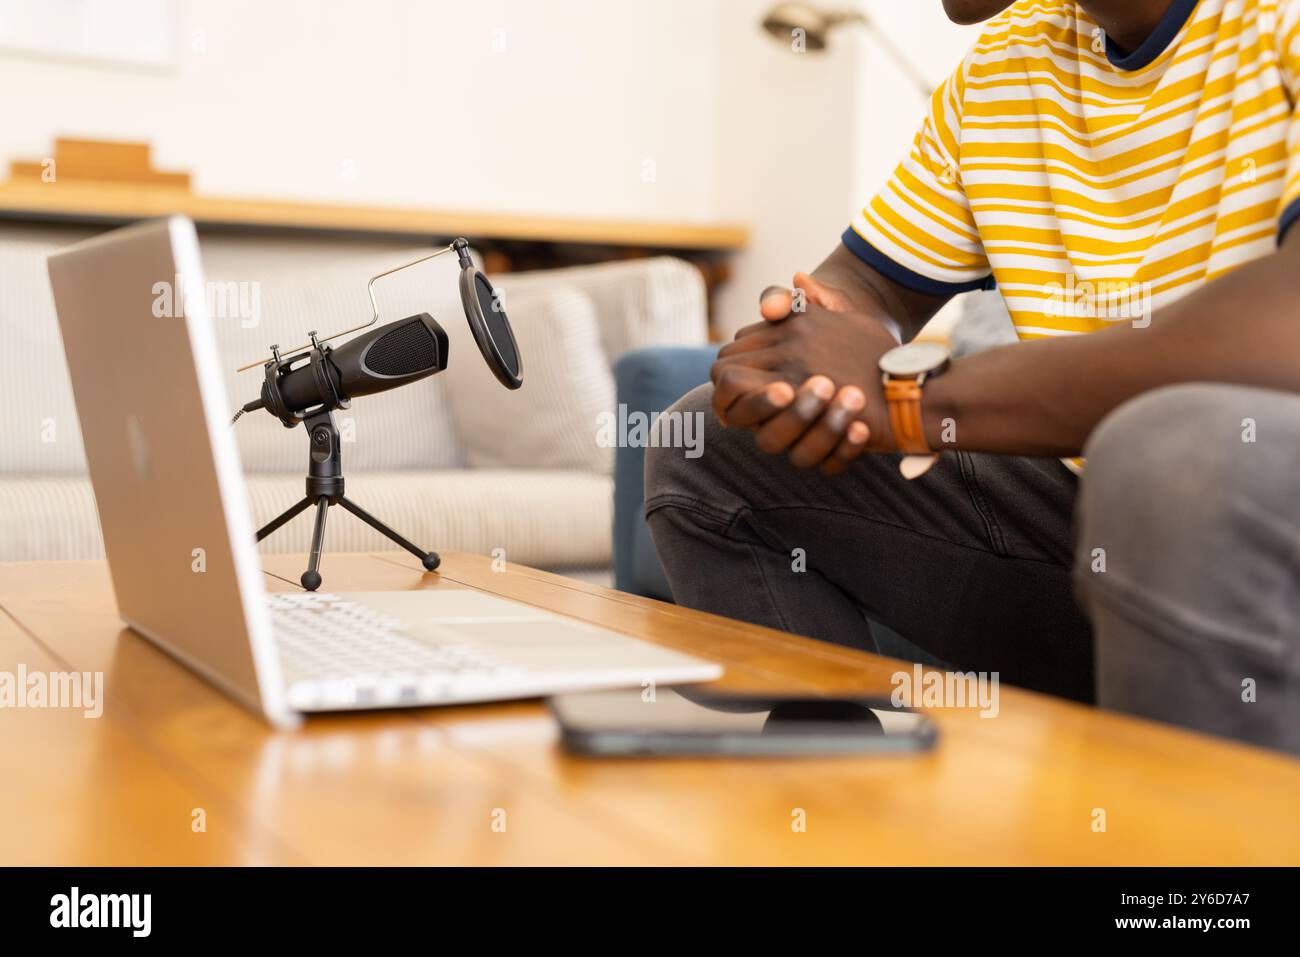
(647, 381)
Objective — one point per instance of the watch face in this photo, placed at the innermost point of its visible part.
(909, 361)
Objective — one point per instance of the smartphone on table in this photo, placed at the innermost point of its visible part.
(694, 722)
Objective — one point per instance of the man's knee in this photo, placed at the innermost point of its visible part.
(1189, 552)
(1139, 466)
(1180, 491)
(692, 492)
(690, 455)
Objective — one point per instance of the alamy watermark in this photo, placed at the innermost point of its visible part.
(73, 690)
(1119, 301)
(223, 300)
(673, 429)
(133, 912)
(919, 688)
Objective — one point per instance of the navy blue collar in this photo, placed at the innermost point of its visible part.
(1179, 12)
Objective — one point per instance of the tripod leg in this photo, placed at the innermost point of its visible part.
(285, 516)
(430, 559)
(311, 577)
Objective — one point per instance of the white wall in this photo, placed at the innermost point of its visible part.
(807, 138)
(671, 109)
(785, 155)
(408, 102)
(890, 109)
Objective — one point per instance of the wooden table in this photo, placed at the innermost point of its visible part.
(427, 787)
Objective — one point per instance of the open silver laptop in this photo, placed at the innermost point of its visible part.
(179, 537)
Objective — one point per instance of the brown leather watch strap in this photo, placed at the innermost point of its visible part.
(903, 398)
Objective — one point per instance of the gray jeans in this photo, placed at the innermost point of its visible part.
(1186, 556)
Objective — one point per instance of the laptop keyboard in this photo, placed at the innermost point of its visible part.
(337, 653)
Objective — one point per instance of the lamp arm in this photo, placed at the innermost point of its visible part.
(901, 60)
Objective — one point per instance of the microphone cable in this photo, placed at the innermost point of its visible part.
(250, 407)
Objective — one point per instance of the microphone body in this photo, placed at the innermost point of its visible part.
(385, 358)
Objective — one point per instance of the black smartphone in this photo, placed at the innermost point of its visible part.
(689, 721)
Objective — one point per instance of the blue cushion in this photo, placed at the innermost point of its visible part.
(648, 381)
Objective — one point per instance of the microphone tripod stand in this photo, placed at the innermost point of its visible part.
(324, 470)
(324, 489)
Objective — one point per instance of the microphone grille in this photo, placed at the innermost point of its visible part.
(408, 349)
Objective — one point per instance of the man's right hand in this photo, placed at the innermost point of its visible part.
(767, 392)
(778, 303)
(780, 376)
(843, 283)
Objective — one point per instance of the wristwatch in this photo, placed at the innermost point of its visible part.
(904, 371)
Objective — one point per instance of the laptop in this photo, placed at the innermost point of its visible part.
(178, 535)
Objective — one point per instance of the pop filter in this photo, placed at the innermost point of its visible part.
(488, 322)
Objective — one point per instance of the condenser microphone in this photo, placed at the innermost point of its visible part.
(386, 358)
(306, 385)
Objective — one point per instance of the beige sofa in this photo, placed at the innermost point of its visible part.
(454, 462)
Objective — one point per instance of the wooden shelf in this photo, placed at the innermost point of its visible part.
(116, 203)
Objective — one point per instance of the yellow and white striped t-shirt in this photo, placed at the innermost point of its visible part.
(1092, 186)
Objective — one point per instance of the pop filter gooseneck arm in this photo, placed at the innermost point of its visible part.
(459, 245)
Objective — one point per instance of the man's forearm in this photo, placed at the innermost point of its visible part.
(1045, 397)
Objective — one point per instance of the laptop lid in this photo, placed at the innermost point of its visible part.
(164, 465)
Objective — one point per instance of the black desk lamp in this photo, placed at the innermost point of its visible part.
(812, 25)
